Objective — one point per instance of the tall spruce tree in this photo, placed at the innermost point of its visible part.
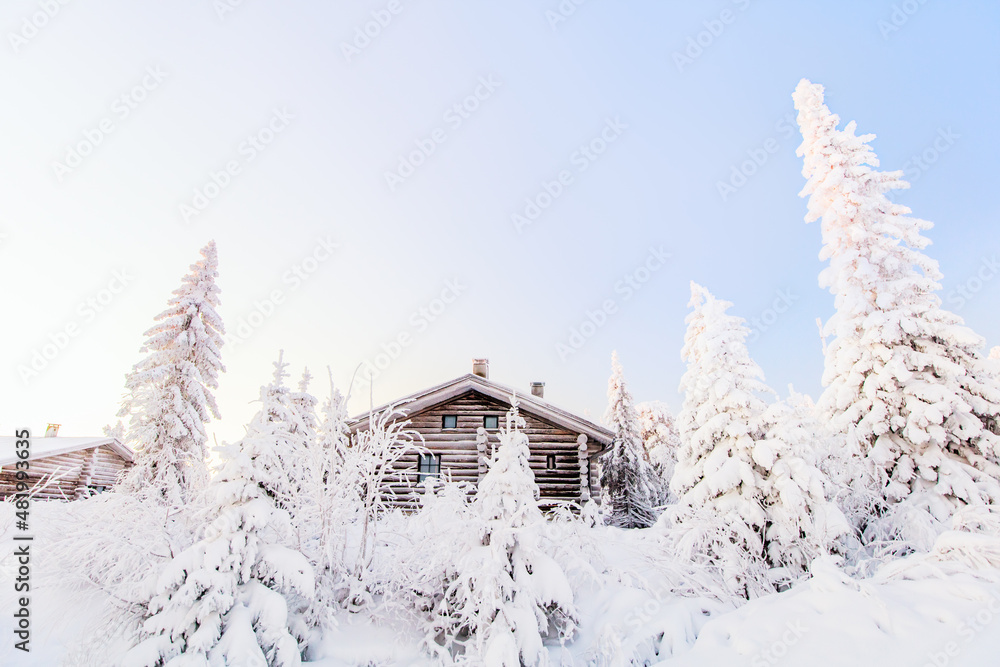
(630, 486)
(905, 380)
(169, 398)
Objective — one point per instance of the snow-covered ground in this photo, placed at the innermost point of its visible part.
(937, 609)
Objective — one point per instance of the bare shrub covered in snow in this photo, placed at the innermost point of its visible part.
(372, 464)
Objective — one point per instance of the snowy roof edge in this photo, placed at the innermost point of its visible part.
(8, 455)
(426, 398)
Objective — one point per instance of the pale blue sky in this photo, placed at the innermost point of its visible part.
(678, 131)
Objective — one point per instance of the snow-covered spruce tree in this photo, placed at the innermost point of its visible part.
(226, 599)
(305, 405)
(280, 420)
(629, 484)
(506, 594)
(304, 428)
(748, 506)
(333, 435)
(328, 506)
(661, 441)
(169, 393)
(803, 521)
(905, 381)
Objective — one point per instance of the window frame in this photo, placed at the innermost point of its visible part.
(496, 422)
(444, 421)
(428, 465)
(550, 461)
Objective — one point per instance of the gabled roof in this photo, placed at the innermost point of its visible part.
(44, 447)
(442, 393)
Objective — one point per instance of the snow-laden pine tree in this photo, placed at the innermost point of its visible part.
(803, 519)
(333, 434)
(304, 428)
(328, 506)
(661, 441)
(305, 404)
(226, 600)
(748, 507)
(905, 380)
(169, 395)
(506, 594)
(280, 420)
(629, 484)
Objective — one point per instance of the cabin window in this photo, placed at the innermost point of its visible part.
(449, 421)
(491, 422)
(97, 489)
(550, 462)
(430, 466)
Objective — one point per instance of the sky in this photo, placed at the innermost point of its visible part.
(536, 183)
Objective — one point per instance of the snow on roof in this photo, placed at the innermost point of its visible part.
(444, 392)
(43, 447)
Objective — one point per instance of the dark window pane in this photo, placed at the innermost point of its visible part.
(429, 466)
(550, 461)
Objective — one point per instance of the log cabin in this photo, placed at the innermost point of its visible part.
(65, 468)
(459, 423)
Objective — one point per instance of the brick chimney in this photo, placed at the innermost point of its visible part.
(538, 389)
(481, 367)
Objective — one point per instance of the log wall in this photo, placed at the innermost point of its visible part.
(464, 450)
(67, 476)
